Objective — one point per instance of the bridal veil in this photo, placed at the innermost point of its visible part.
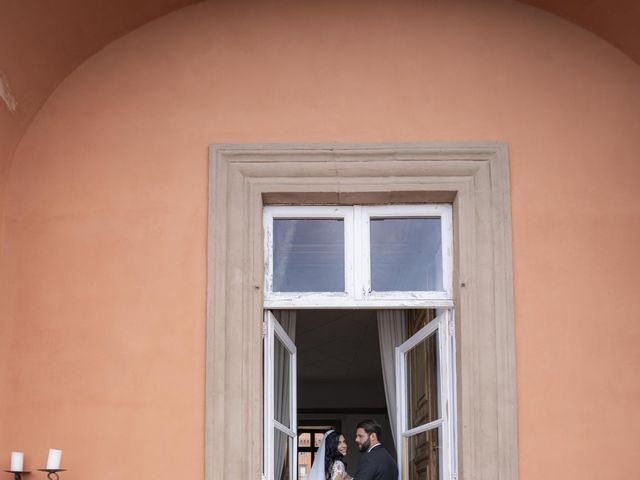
(317, 470)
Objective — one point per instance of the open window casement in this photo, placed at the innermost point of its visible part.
(280, 426)
(425, 393)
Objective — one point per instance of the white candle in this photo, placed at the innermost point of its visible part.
(53, 460)
(17, 459)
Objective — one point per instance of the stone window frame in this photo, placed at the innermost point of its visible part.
(473, 176)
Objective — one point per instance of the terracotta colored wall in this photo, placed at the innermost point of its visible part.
(40, 44)
(104, 257)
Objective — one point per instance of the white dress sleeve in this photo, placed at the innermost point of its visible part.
(338, 471)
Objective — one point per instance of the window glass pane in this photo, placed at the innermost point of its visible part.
(304, 440)
(308, 255)
(281, 455)
(317, 439)
(304, 465)
(281, 387)
(406, 254)
(423, 382)
(423, 456)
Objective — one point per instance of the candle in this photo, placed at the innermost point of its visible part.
(53, 460)
(17, 459)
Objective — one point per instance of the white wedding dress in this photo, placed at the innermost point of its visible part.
(338, 472)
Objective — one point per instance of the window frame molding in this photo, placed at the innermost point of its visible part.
(473, 176)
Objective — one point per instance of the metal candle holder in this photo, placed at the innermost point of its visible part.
(52, 474)
(16, 475)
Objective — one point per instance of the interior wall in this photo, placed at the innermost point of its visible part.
(104, 255)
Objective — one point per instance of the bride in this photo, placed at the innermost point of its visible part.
(328, 463)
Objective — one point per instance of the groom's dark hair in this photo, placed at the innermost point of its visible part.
(371, 426)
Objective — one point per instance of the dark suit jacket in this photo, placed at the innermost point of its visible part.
(377, 465)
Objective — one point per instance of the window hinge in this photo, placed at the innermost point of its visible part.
(452, 327)
(264, 328)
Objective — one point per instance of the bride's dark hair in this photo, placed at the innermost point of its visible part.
(331, 453)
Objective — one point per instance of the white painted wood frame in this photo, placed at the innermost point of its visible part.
(446, 422)
(273, 333)
(277, 300)
(357, 274)
(473, 177)
(442, 211)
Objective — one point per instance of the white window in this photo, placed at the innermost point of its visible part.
(280, 411)
(333, 256)
(425, 407)
(309, 255)
(391, 257)
(407, 251)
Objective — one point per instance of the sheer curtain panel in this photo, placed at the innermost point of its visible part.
(392, 331)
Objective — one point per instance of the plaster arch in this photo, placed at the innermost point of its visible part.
(105, 243)
(54, 42)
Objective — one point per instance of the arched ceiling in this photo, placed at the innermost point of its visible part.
(616, 21)
(43, 42)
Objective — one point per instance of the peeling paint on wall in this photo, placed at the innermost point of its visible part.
(5, 94)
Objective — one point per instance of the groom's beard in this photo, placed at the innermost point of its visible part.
(365, 446)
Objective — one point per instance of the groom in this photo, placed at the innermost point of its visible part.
(376, 463)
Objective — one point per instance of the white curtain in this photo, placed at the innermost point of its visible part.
(282, 389)
(392, 331)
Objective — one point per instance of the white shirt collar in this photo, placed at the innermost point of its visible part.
(371, 448)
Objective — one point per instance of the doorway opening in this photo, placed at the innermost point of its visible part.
(246, 180)
(339, 378)
(345, 364)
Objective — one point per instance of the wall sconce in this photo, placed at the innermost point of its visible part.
(53, 465)
(52, 474)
